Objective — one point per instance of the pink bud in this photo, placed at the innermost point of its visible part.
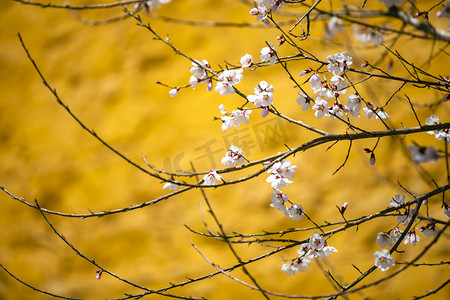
(209, 86)
(265, 112)
(99, 274)
(344, 207)
(365, 64)
(372, 159)
(304, 72)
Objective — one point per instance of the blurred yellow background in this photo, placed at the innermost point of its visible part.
(106, 75)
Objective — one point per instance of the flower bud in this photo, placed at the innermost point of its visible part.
(99, 274)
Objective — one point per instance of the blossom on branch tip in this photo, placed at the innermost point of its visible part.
(268, 54)
(383, 260)
(211, 177)
(261, 12)
(173, 92)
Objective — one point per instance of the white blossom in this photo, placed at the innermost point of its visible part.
(246, 61)
(226, 80)
(366, 35)
(339, 84)
(439, 134)
(383, 260)
(412, 238)
(395, 235)
(296, 212)
(171, 186)
(333, 27)
(305, 249)
(315, 82)
(298, 265)
(397, 200)
(321, 108)
(428, 231)
(339, 62)
(231, 76)
(406, 217)
(384, 240)
(260, 11)
(354, 104)
(222, 109)
(304, 101)
(278, 199)
(268, 54)
(211, 177)
(233, 157)
(423, 154)
(317, 241)
(198, 69)
(173, 92)
(224, 88)
(236, 118)
(281, 172)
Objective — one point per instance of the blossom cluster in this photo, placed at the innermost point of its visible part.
(235, 118)
(386, 239)
(315, 247)
(443, 134)
(331, 89)
(233, 157)
(263, 8)
(226, 80)
(263, 97)
(280, 175)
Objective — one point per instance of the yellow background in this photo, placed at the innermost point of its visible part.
(106, 75)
